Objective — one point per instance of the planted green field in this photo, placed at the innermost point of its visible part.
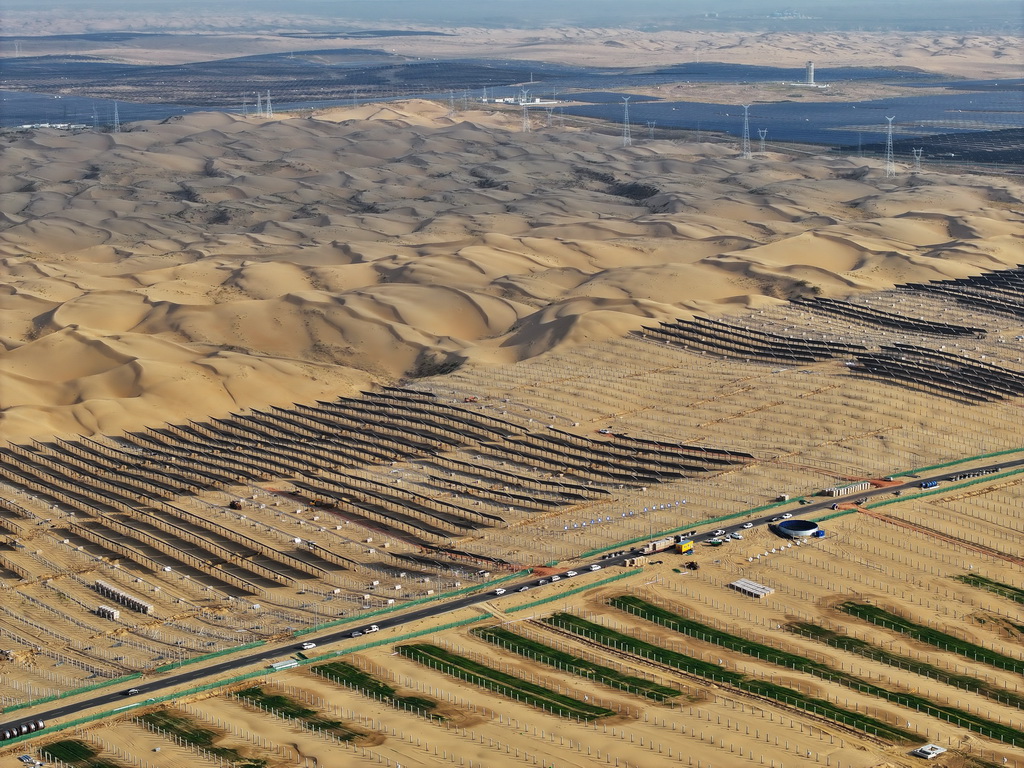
(709, 634)
(552, 657)
(996, 587)
(351, 676)
(188, 731)
(613, 639)
(76, 753)
(286, 707)
(933, 637)
(501, 682)
(873, 652)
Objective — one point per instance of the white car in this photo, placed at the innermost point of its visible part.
(719, 532)
(499, 591)
(523, 589)
(737, 535)
(787, 515)
(556, 578)
(570, 574)
(373, 628)
(748, 525)
(595, 567)
(308, 646)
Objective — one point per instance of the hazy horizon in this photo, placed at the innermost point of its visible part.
(799, 15)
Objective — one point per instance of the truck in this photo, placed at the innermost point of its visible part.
(928, 484)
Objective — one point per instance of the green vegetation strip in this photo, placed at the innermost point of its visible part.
(687, 527)
(933, 637)
(565, 593)
(613, 639)
(873, 652)
(208, 656)
(710, 634)
(304, 716)
(190, 732)
(955, 462)
(398, 607)
(73, 692)
(501, 682)
(922, 494)
(997, 587)
(351, 676)
(545, 654)
(75, 753)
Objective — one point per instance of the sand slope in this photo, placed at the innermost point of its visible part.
(208, 263)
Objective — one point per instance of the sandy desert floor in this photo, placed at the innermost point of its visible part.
(216, 265)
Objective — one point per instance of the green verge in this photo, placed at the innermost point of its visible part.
(401, 606)
(688, 526)
(956, 462)
(351, 676)
(883, 618)
(714, 672)
(207, 656)
(875, 653)
(545, 654)
(73, 692)
(996, 587)
(502, 683)
(683, 625)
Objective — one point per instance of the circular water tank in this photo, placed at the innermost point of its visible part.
(797, 528)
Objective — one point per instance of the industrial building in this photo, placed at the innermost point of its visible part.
(750, 588)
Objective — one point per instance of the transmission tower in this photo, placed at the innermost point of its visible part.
(627, 139)
(890, 166)
(762, 133)
(117, 119)
(259, 104)
(451, 103)
(95, 118)
(526, 118)
(650, 128)
(270, 109)
(746, 132)
(917, 159)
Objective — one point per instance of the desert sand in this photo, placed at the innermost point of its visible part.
(214, 262)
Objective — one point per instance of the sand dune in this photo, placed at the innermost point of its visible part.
(203, 264)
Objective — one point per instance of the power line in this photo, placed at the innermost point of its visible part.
(746, 132)
(627, 138)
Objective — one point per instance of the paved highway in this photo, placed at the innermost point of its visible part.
(280, 651)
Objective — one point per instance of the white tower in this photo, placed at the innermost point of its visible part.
(270, 109)
(917, 159)
(746, 132)
(526, 117)
(890, 166)
(259, 104)
(650, 128)
(117, 120)
(762, 133)
(809, 73)
(627, 139)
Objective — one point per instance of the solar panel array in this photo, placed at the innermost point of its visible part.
(727, 340)
(871, 316)
(1000, 292)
